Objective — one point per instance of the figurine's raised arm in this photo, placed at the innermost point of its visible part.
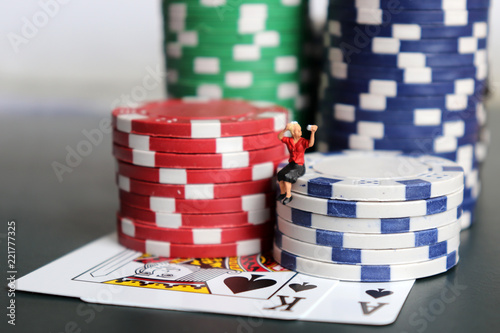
(287, 128)
(313, 130)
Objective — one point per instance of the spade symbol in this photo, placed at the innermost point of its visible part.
(301, 287)
(379, 293)
(239, 284)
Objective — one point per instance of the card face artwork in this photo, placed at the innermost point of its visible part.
(249, 285)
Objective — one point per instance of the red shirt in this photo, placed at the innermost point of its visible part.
(296, 150)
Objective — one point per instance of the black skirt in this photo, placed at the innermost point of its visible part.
(291, 172)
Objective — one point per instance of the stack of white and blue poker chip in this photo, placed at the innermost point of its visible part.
(372, 216)
(410, 76)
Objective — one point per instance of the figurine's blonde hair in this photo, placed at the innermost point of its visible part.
(294, 127)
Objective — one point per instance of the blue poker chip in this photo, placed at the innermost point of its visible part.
(384, 16)
(469, 213)
(425, 75)
(412, 4)
(407, 31)
(466, 156)
(408, 60)
(391, 130)
(397, 89)
(431, 145)
(472, 193)
(384, 45)
(429, 117)
(472, 162)
(366, 101)
(380, 130)
(365, 273)
(469, 203)
(377, 176)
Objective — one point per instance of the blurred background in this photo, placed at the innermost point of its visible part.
(88, 56)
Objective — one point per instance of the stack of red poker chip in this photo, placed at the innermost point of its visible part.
(195, 177)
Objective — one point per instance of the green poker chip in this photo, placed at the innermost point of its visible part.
(238, 80)
(261, 91)
(280, 90)
(231, 10)
(270, 38)
(290, 103)
(236, 52)
(244, 26)
(237, 3)
(213, 65)
(226, 75)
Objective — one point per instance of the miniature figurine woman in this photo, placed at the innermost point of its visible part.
(297, 146)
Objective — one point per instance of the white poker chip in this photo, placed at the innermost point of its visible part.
(372, 209)
(366, 257)
(365, 273)
(369, 241)
(367, 225)
(378, 176)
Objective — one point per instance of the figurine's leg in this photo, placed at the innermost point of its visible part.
(281, 179)
(288, 187)
(282, 190)
(282, 187)
(288, 197)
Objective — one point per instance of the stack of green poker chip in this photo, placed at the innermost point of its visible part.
(249, 49)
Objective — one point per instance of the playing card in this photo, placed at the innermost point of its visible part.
(105, 272)
(300, 296)
(362, 303)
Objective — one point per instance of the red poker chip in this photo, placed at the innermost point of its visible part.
(193, 146)
(250, 202)
(195, 191)
(197, 118)
(165, 249)
(198, 161)
(182, 220)
(198, 236)
(198, 176)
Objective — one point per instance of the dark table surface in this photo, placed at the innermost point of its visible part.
(54, 217)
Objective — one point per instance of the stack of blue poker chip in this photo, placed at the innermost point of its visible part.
(372, 216)
(409, 76)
